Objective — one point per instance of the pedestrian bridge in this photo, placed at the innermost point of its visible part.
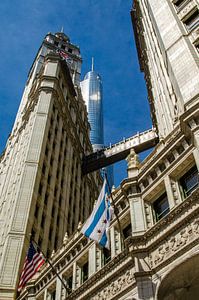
(119, 151)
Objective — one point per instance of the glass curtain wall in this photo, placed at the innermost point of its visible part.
(92, 93)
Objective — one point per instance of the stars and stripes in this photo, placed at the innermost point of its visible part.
(96, 227)
(34, 260)
(65, 56)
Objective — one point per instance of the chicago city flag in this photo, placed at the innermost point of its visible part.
(96, 227)
(34, 260)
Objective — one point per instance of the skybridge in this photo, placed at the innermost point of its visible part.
(107, 156)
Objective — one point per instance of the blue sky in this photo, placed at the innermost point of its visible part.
(101, 29)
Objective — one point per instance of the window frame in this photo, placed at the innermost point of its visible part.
(187, 192)
(158, 217)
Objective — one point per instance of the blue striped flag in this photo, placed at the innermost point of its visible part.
(96, 227)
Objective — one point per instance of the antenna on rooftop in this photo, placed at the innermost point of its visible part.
(92, 66)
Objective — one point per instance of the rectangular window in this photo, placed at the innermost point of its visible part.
(127, 231)
(43, 221)
(179, 3)
(36, 210)
(161, 207)
(40, 188)
(189, 182)
(85, 272)
(197, 47)
(192, 21)
(69, 284)
(53, 295)
(40, 241)
(106, 256)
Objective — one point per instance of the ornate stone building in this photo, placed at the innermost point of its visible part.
(158, 204)
(42, 189)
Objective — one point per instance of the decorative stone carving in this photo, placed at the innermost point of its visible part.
(116, 286)
(133, 160)
(65, 240)
(175, 243)
(187, 9)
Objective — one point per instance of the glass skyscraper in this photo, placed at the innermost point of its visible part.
(91, 88)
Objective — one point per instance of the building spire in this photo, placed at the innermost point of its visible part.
(92, 66)
(62, 29)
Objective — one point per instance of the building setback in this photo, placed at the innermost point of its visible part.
(42, 190)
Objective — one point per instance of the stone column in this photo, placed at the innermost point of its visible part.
(92, 260)
(169, 191)
(135, 201)
(196, 157)
(58, 288)
(112, 240)
(76, 276)
(145, 288)
(196, 138)
(138, 222)
(145, 285)
(46, 294)
(118, 245)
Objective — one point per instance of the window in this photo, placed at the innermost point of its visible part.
(46, 151)
(33, 233)
(56, 242)
(69, 284)
(43, 221)
(44, 169)
(40, 241)
(197, 47)
(46, 198)
(106, 256)
(161, 207)
(192, 21)
(56, 43)
(49, 178)
(36, 211)
(70, 50)
(85, 272)
(127, 231)
(178, 3)
(40, 188)
(189, 181)
(53, 295)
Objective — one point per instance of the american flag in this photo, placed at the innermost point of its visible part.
(34, 260)
(65, 56)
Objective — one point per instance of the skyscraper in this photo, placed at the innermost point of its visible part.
(42, 190)
(91, 88)
(92, 93)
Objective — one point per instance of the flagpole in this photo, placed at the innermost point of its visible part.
(115, 212)
(48, 261)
